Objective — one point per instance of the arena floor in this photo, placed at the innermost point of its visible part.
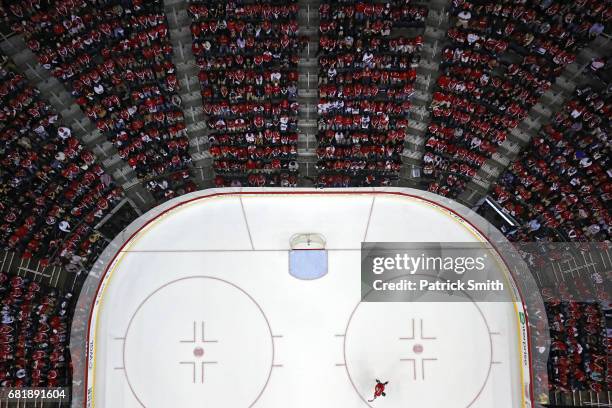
(198, 310)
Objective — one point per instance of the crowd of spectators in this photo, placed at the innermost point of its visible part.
(34, 334)
(483, 93)
(563, 181)
(502, 57)
(570, 337)
(115, 57)
(366, 78)
(578, 359)
(248, 55)
(52, 191)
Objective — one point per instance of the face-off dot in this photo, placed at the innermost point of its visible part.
(198, 351)
(417, 348)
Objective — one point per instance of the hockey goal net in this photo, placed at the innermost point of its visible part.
(307, 241)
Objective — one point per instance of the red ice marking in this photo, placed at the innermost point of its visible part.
(198, 351)
(417, 348)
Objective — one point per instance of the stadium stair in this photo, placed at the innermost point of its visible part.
(551, 101)
(434, 38)
(57, 95)
(308, 93)
(191, 98)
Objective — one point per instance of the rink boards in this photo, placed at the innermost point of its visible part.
(197, 308)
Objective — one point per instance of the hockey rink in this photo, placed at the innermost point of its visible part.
(198, 309)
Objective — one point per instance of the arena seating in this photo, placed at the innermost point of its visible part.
(562, 180)
(34, 334)
(484, 93)
(366, 78)
(578, 351)
(576, 301)
(52, 190)
(116, 59)
(248, 74)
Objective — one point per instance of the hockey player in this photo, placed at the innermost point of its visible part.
(379, 390)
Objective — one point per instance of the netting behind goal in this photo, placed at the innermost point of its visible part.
(307, 241)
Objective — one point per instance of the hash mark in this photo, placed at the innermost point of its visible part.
(411, 337)
(204, 336)
(194, 335)
(413, 361)
(193, 368)
(203, 364)
(423, 335)
(423, 364)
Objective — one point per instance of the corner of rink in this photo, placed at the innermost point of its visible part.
(195, 305)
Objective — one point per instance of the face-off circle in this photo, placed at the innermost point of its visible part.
(217, 337)
(420, 348)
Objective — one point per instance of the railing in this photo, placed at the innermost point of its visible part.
(49, 275)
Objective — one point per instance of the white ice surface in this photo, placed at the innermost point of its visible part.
(285, 342)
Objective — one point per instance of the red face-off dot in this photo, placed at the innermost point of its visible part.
(198, 351)
(417, 348)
